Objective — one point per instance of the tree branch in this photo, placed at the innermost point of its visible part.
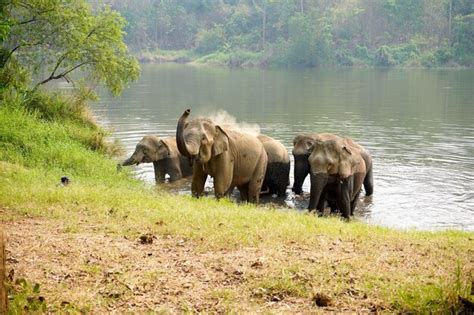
(59, 76)
(33, 19)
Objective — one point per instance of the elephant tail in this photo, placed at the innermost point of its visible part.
(369, 182)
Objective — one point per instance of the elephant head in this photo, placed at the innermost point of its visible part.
(302, 145)
(149, 149)
(200, 139)
(329, 159)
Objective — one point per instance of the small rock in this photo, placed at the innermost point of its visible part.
(258, 264)
(64, 181)
(146, 238)
(322, 300)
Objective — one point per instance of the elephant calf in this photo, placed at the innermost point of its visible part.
(165, 156)
(277, 177)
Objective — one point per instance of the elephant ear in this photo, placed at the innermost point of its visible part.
(167, 146)
(347, 162)
(297, 139)
(347, 149)
(221, 142)
(309, 145)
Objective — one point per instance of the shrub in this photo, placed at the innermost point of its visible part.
(209, 41)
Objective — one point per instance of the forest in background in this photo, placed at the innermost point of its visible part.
(412, 33)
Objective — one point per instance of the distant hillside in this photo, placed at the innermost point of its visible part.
(307, 33)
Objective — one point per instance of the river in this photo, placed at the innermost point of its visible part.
(418, 125)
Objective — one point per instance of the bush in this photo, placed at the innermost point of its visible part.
(464, 39)
(389, 56)
(428, 60)
(342, 58)
(383, 57)
(362, 53)
(210, 41)
(443, 55)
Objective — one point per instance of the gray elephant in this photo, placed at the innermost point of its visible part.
(302, 145)
(277, 177)
(338, 171)
(230, 157)
(165, 156)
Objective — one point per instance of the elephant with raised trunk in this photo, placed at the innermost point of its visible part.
(232, 158)
(302, 145)
(338, 169)
(164, 155)
(277, 177)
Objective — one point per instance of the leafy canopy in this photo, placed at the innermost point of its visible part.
(53, 38)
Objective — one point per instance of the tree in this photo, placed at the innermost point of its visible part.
(58, 37)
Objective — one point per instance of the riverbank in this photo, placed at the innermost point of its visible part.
(107, 242)
(249, 59)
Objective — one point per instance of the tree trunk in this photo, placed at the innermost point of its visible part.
(264, 24)
(3, 291)
(450, 19)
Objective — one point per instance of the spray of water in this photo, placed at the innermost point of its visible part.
(226, 120)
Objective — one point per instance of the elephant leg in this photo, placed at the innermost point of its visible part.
(229, 191)
(244, 192)
(318, 186)
(255, 184)
(345, 197)
(284, 180)
(160, 172)
(369, 182)
(221, 187)
(254, 190)
(174, 169)
(354, 202)
(320, 205)
(199, 180)
(224, 175)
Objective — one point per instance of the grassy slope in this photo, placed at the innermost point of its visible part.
(357, 265)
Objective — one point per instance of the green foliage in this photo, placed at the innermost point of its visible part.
(209, 41)
(308, 33)
(51, 133)
(25, 297)
(405, 14)
(59, 37)
(464, 39)
(389, 56)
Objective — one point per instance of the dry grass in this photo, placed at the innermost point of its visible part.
(92, 267)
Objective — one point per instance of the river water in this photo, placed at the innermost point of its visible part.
(418, 125)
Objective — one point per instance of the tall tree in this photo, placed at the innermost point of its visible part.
(54, 38)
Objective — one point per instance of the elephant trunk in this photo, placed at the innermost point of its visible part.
(318, 183)
(180, 141)
(129, 161)
(300, 172)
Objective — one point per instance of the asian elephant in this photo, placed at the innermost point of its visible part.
(277, 177)
(165, 157)
(302, 145)
(338, 170)
(232, 158)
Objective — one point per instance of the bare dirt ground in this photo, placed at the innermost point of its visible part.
(93, 271)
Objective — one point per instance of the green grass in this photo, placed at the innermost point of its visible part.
(159, 55)
(408, 271)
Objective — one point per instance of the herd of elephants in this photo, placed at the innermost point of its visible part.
(258, 164)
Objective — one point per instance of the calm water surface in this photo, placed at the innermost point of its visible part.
(418, 125)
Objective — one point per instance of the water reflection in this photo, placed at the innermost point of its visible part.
(417, 124)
